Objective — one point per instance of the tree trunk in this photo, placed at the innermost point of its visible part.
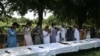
(40, 14)
(40, 19)
(81, 20)
(80, 23)
(2, 8)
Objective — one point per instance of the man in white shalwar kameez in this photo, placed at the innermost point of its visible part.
(63, 32)
(76, 34)
(46, 35)
(58, 37)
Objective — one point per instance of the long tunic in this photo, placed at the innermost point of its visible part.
(63, 32)
(69, 35)
(84, 35)
(76, 35)
(81, 35)
(88, 35)
(27, 36)
(46, 37)
(36, 36)
(53, 35)
(11, 38)
(58, 36)
(92, 33)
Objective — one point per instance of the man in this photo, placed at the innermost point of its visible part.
(27, 34)
(63, 32)
(92, 32)
(53, 33)
(11, 35)
(46, 35)
(76, 33)
(37, 35)
(69, 34)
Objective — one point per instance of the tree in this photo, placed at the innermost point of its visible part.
(81, 10)
(38, 6)
(4, 13)
(1, 8)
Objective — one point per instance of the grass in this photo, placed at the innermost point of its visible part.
(90, 52)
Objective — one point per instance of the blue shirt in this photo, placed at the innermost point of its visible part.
(11, 37)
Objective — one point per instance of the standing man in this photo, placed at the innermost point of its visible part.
(58, 35)
(76, 33)
(46, 35)
(53, 33)
(11, 35)
(69, 34)
(92, 32)
(37, 34)
(27, 34)
(63, 33)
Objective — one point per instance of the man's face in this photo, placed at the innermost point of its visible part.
(29, 25)
(38, 26)
(15, 26)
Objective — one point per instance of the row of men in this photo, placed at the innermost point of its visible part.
(45, 36)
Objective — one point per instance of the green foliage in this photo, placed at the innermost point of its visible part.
(38, 6)
(52, 19)
(81, 10)
(1, 7)
(64, 10)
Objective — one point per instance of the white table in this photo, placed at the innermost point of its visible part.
(24, 51)
(51, 49)
(57, 48)
(97, 42)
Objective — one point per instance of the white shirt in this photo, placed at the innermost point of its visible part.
(58, 36)
(63, 32)
(46, 37)
(76, 34)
